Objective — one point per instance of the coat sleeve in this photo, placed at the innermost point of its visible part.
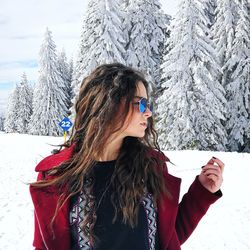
(192, 208)
(38, 240)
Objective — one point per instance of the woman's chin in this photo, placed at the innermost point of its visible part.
(140, 135)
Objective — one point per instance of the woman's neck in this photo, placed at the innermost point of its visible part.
(111, 150)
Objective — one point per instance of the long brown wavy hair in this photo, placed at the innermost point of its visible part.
(98, 115)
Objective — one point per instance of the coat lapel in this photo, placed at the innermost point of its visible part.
(45, 202)
(167, 210)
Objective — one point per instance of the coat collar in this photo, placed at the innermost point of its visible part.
(55, 159)
(65, 154)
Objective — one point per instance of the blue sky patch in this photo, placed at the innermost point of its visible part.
(7, 85)
(19, 64)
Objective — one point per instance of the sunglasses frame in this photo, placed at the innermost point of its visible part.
(144, 104)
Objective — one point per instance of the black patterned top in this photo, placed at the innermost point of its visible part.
(117, 236)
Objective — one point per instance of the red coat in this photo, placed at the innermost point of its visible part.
(176, 221)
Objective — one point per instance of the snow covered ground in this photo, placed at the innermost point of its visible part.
(226, 225)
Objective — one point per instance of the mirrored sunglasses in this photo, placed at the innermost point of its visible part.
(144, 104)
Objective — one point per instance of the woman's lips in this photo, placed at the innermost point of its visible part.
(144, 124)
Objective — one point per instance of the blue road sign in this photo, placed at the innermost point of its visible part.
(65, 124)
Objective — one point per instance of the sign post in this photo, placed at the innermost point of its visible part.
(65, 124)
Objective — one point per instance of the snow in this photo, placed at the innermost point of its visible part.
(225, 226)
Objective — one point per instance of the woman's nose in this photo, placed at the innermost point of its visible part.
(148, 112)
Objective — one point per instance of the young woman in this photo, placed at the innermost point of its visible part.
(109, 188)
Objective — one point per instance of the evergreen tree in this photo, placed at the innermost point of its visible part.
(210, 11)
(147, 26)
(66, 75)
(2, 122)
(24, 107)
(77, 78)
(193, 102)
(102, 38)
(237, 87)
(223, 33)
(71, 79)
(49, 103)
(10, 125)
(75, 85)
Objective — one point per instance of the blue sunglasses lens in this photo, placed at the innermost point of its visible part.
(144, 104)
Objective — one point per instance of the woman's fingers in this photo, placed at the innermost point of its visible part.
(215, 172)
(216, 162)
(220, 163)
(214, 178)
(212, 172)
(211, 166)
(211, 175)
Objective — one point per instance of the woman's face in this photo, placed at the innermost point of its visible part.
(136, 122)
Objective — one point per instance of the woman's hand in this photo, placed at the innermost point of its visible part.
(211, 175)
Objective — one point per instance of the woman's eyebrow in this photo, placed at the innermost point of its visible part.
(140, 97)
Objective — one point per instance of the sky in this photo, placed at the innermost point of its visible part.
(22, 26)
